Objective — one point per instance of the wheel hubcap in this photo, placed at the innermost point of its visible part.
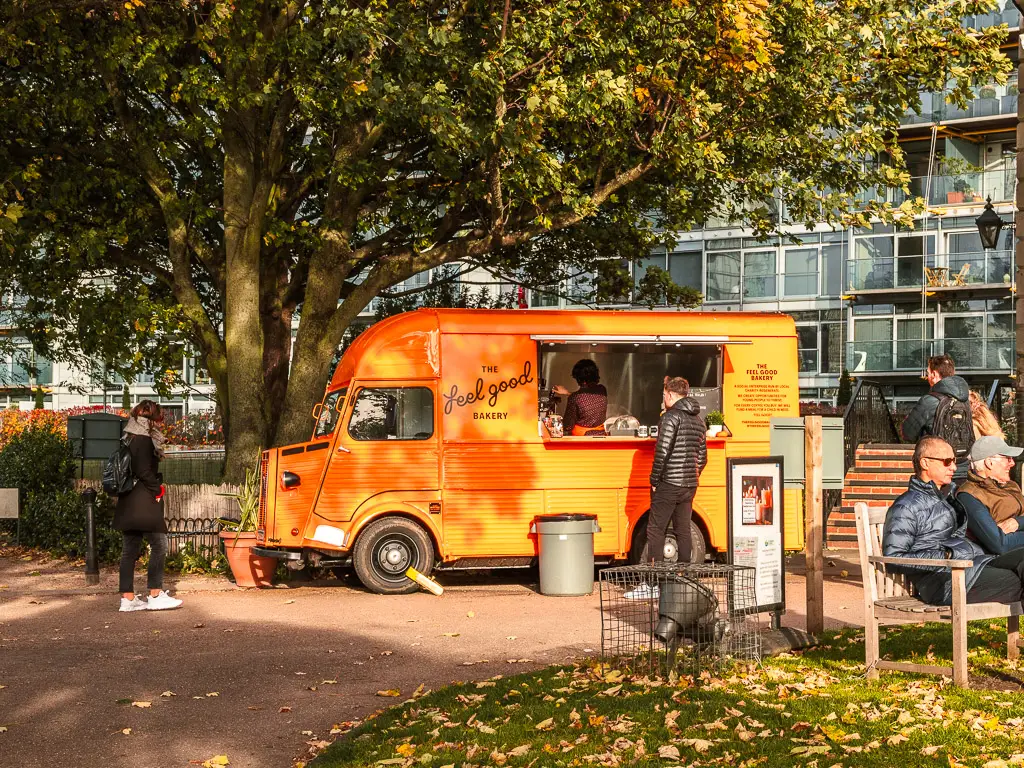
(394, 558)
(671, 551)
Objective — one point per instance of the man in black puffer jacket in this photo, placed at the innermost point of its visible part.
(928, 523)
(679, 457)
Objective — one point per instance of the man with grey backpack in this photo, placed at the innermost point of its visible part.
(944, 412)
(139, 513)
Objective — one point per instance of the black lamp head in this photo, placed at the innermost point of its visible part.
(989, 225)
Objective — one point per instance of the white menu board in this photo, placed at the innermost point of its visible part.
(754, 495)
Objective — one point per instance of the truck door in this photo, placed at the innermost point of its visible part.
(388, 443)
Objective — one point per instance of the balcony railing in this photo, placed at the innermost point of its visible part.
(952, 189)
(993, 353)
(948, 270)
(988, 101)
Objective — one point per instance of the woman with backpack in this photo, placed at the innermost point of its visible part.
(140, 512)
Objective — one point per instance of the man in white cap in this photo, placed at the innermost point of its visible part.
(994, 503)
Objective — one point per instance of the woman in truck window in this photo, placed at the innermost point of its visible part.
(587, 407)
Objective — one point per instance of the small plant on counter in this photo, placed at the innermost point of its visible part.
(715, 419)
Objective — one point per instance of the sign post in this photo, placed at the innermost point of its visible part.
(813, 522)
(754, 495)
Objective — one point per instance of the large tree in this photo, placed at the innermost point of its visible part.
(206, 170)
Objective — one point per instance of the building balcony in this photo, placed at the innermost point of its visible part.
(992, 354)
(988, 101)
(986, 274)
(952, 189)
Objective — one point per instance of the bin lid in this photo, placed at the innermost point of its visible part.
(566, 518)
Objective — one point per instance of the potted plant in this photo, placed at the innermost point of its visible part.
(239, 536)
(959, 189)
(716, 422)
(987, 103)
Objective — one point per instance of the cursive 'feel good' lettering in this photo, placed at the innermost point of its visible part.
(452, 398)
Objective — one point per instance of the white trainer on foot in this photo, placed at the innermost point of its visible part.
(643, 592)
(131, 605)
(162, 602)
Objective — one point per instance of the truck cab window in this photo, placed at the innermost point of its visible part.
(328, 418)
(400, 413)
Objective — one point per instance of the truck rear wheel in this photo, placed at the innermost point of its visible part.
(386, 549)
(698, 546)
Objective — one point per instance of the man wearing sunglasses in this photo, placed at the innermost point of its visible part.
(928, 522)
(994, 503)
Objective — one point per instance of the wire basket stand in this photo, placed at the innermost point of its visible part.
(682, 618)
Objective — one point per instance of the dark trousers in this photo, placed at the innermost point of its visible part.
(670, 503)
(1000, 581)
(130, 556)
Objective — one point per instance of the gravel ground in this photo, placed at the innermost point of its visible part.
(256, 674)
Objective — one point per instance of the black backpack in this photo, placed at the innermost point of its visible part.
(117, 472)
(953, 424)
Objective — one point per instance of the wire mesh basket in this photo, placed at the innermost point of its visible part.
(683, 618)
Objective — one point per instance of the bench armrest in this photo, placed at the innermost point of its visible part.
(918, 561)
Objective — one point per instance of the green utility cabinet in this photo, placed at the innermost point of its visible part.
(787, 440)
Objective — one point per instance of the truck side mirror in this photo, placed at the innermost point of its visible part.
(290, 480)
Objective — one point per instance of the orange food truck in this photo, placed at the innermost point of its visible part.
(430, 446)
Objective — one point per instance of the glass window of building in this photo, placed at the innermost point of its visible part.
(723, 276)
(685, 266)
(807, 348)
(871, 349)
(914, 343)
(801, 272)
(872, 264)
(914, 252)
(832, 255)
(759, 275)
(831, 345)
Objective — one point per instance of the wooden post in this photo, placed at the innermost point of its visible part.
(813, 524)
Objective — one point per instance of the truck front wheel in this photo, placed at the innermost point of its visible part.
(386, 549)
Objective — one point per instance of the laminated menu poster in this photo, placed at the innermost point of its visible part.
(754, 493)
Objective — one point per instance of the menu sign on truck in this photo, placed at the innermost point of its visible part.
(755, 517)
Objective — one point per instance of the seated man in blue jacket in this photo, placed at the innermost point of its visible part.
(994, 503)
(928, 523)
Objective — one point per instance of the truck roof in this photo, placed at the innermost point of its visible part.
(408, 345)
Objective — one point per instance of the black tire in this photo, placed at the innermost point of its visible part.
(698, 545)
(388, 547)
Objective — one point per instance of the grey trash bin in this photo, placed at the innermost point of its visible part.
(566, 547)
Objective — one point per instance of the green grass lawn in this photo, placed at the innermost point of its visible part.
(812, 709)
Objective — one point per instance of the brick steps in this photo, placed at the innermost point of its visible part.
(878, 477)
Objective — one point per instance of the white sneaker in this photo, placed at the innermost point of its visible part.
(162, 602)
(643, 592)
(131, 605)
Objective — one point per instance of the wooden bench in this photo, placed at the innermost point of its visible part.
(889, 599)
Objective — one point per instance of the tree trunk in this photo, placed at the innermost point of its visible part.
(277, 343)
(243, 331)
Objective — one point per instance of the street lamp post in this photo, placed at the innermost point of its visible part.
(1018, 243)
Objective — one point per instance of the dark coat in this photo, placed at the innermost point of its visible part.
(681, 451)
(138, 510)
(923, 523)
(919, 422)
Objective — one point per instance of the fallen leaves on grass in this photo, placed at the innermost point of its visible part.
(391, 692)
(545, 725)
(668, 752)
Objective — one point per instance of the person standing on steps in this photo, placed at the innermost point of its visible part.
(139, 514)
(680, 455)
(944, 412)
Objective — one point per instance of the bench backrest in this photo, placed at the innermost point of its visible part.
(878, 582)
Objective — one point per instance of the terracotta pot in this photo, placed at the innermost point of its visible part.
(248, 569)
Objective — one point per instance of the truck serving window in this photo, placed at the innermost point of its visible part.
(633, 372)
(401, 413)
(328, 418)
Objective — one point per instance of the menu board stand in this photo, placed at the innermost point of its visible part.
(754, 500)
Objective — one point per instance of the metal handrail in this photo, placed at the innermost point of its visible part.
(862, 425)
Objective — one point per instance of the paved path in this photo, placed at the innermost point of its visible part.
(67, 657)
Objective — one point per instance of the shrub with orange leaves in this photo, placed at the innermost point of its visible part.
(14, 422)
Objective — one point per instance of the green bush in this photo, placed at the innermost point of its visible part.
(37, 461)
(55, 521)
